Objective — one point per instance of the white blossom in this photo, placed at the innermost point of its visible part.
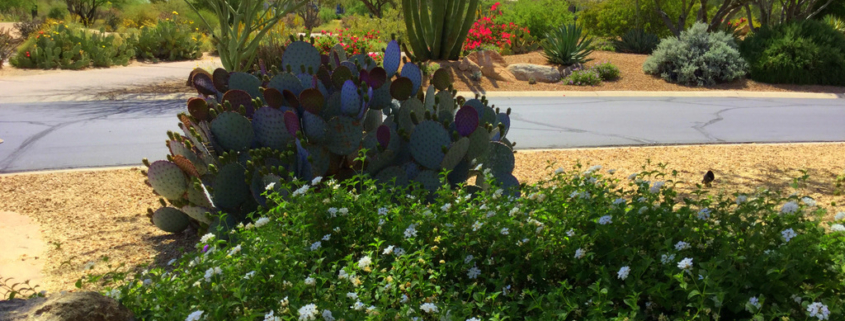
(234, 250)
(753, 301)
(316, 180)
(352, 295)
(342, 274)
(364, 262)
(681, 245)
(327, 315)
(468, 259)
(559, 170)
(207, 238)
(611, 171)
(655, 188)
(685, 264)
(301, 191)
(839, 216)
(148, 282)
(505, 231)
(284, 302)
(796, 298)
(837, 228)
(741, 199)
(428, 308)
(382, 211)
(593, 169)
(270, 186)
(446, 207)
(249, 275)
(308, 312)
(665, 259)
(808, 201)
(398, 251)
(410, 232)
(604, 220)
(270, 316)
(404, 298)
(333, 211)
(619, 201)
(570, 233)
(316, 246)
(474, 272)
(194, 316)
(358, 306)
(623, 272)
(114, 294)
(632, 176)
(327, 237)
(388, 250)
(579, 253)
(788, 234)
(310, 281)
(476, 226)
(261, 222)
(789, 208)
(212, 272)
(818, 310)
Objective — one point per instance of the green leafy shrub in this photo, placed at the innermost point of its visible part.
(837, 23)
(807, 53)
(614, 18)
(391, 23)
(698, 58)
(70, 48)
(168, 40)
(637, 41)
(140, 15)
(327, 14)
(580, 246)
(583, 77)
(57, 13)
(539, 16)
(566, 46)
(606, 70)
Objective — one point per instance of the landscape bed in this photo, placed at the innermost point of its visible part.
(85, 215)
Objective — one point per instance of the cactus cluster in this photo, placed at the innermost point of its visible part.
(310, 120)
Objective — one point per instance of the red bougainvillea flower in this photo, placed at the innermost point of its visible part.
(494, 7)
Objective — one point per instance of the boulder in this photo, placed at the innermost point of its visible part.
(490, 63)
(89, 306)
(538, 72)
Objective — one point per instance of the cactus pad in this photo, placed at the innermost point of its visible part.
(478, 144)
(198, 213)
(270, 129)
(300, 53)
(230, 188)
(198, 108)
(315, 128)
(167, 179)
(402, 88)
(220, 77)
(404, 119)
(170, 220)
(392, 58)
(291, 123)
(199, 197)
(312, 100)
(351, 67)
(441, 79)
(340, 76)
(344, 135)
(500, 159)
(429, 180)
(429, 99)
(389, 174)
(204, 84)
(274, 98)
(466, 121)
(320, 159)
(413, 73)
(455, 154)
(505, 120)
(351, 103)
(239, 98)
(427, 142)
(286, 81)
(246, 82)
(376, 77)
(232, 131)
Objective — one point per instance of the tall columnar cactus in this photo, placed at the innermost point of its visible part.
(312, 118)
(437, 29)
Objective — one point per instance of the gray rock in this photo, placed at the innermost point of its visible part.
(88, 306)
(538, 72)
(565, 72)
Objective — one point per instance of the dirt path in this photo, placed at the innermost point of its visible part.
(22, 252)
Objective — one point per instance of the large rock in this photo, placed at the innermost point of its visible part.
(538, 72)
(88, 306)
(490, 63)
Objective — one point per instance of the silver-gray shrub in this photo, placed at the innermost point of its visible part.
(697, 58)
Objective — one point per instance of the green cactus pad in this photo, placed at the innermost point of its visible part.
(509, 183)
(170, 220)
(441, 79)
(429, 99)
(404, 120)
(230, 188)
(479, 144)
(301, 53)
(220, 77)
(392, 58)
(198, 213)
(270, 130)
(504, 119)
(344, 135)
(500, 159)
(455, 154)
(198, 108)
(167, 179)
(459, 174)
(389, 174)
(365, 61)
(427, 142)
(351, 67)
(246, 82)
(447, 102)
(488, 117)
(372, 120)
(381, 97)
(274, 98)
(286, 81)
(238, 98)
(340, 76)
(312, 100)
(340, 53)
(413, 73)
(402, 88)
(320, 159)
(325, 77)
(315, 128)
(351, 102)
(411, 170)
(232, 131)
(379, 161)
(199, 197)
(332, 106)
(429, 180)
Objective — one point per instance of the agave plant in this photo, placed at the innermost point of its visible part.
(247, 133)
(566, 45)
(637, 41)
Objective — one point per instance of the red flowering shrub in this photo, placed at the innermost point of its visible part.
(507, 37)
(353, 43)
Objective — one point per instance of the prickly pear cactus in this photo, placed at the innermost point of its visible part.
(311, 117)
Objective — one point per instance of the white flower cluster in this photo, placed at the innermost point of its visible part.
(837, 228)
(212, 272)
(685, 264)
(604, 220)
(623, 272)
(316, 246)
(655, 188)
(476, 226)
(410, 232)
(839, 216)
(194, 316)
(301, 191)
(429, 308)
(308, 312)
(207, 238)
(474, 272)
(365, 262)
(262, 221)
(753, 301)
(681, 245)
(704, 214)
(741, 199)
(666, 259)
(808, 201)
(579, 253)
(788, 234)
(818, 310)
(789, 208)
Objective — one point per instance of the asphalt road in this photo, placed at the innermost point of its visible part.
(60, 135)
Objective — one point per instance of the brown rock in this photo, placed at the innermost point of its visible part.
(88, 306)
(490, 63)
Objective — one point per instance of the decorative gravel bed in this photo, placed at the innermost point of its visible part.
(85, 215)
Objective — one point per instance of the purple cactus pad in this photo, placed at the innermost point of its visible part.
(466, 120)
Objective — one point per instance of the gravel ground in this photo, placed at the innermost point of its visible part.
(85, 215)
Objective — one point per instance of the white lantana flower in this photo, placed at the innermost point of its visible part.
(308, 312)
(249, 275)
(468, 259)
(207, 238)
(270, 316)
(632, 176)
(316, 180)
(261, 222)
(333, 211)
(310, 281)
(839, 216)
(194, 316)
(604, 220)
(316, 246)
(382, 211)
(666, 258)
(579, 253)
(474, 272)
(741, 199)
(352, 295)
(429, 308)
(788, 234)
(327, 315)
(837, 228)
(753, 301)
(270, 186)
(559, 170)
(808, 201)
(789, 208)
(365, 262)
(212, 272)
(327, 237)
(681, 245)
(623, 272)
(301, 191)
(570, 233)
(476, 226)
(619, 201)
(505, 231)
(358, 306)
(818, 310)
(410, 232)
(388, 250)
(446, 207)
(704, 213)
(398, 251)
(655, 188)
(234, 250)
(685, 264)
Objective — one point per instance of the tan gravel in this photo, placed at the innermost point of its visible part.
(91, 214)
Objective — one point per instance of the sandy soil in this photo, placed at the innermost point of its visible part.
(85, 215)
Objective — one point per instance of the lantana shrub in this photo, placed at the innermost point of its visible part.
(352, 43)
(507, 37)
(581, 245)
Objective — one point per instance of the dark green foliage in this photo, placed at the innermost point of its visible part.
(614, 18)
(607, 71)
(567, 45)
(637, 41)
(28, 26)
(169, 41)
(697, 58)
(583, 77)
(57, 13)
(805, 53)
(64, 48)
(436, 30)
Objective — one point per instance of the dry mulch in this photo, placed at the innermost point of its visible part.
(101, 213)
(632, 78)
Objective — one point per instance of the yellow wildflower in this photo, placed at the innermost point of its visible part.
(176, 13)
